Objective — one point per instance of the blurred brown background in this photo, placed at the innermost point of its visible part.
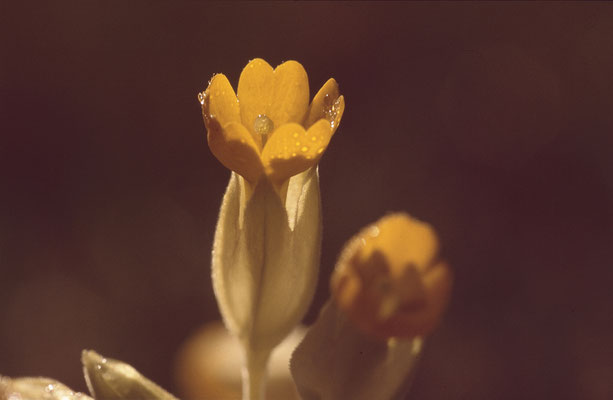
(491, 121)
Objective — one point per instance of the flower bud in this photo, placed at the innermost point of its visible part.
(389, 279)
(115, 380)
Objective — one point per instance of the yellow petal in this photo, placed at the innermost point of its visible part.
(403, 240)
(290, 96)
(389, 280)
(437, 284)
(329, 91)
(235, 148)
(291, 149)
(220, 101)
(255, 88)
(335, 114)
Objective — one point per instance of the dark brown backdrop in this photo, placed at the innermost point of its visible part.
(491, 121)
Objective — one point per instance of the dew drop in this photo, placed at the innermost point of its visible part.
(202, 97)
(304, 149)
(331, 109)
(313, 138)
(296, 135)
(320, 150)
(374, 231)
(298, 144)
(293, 154)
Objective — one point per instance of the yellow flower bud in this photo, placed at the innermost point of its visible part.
(389, 279)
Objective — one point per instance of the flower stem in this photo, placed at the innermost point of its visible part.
(254, 375)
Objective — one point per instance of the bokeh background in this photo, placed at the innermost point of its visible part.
(492, 121)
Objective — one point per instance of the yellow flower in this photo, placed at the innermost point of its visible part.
(267, 243)
(390, 280)
(269, 128)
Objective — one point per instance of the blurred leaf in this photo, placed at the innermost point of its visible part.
(37, 389)
(109, 379)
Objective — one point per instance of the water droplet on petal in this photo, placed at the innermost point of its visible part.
(313, 138)
(331, 109)
(202, 97)
(320, 150)
(374, 231)
(295, 135)
(293, 154)
(304, 149)
(298, 144)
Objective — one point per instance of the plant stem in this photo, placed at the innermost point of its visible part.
(254, 375)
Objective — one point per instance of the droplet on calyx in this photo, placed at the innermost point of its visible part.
(263, 126)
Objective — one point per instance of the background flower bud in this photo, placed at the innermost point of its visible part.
(389, 279)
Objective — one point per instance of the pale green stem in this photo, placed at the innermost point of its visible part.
(254, 376)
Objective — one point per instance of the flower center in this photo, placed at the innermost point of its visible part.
(263, 126)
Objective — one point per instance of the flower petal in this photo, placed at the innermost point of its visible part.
(291, 149)
(221, 102)
(236, 149)
(329, 91)
(389, 280)
(437, 283)
(402, 240)
(255, 88)
(336, 113)
(290, 97)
